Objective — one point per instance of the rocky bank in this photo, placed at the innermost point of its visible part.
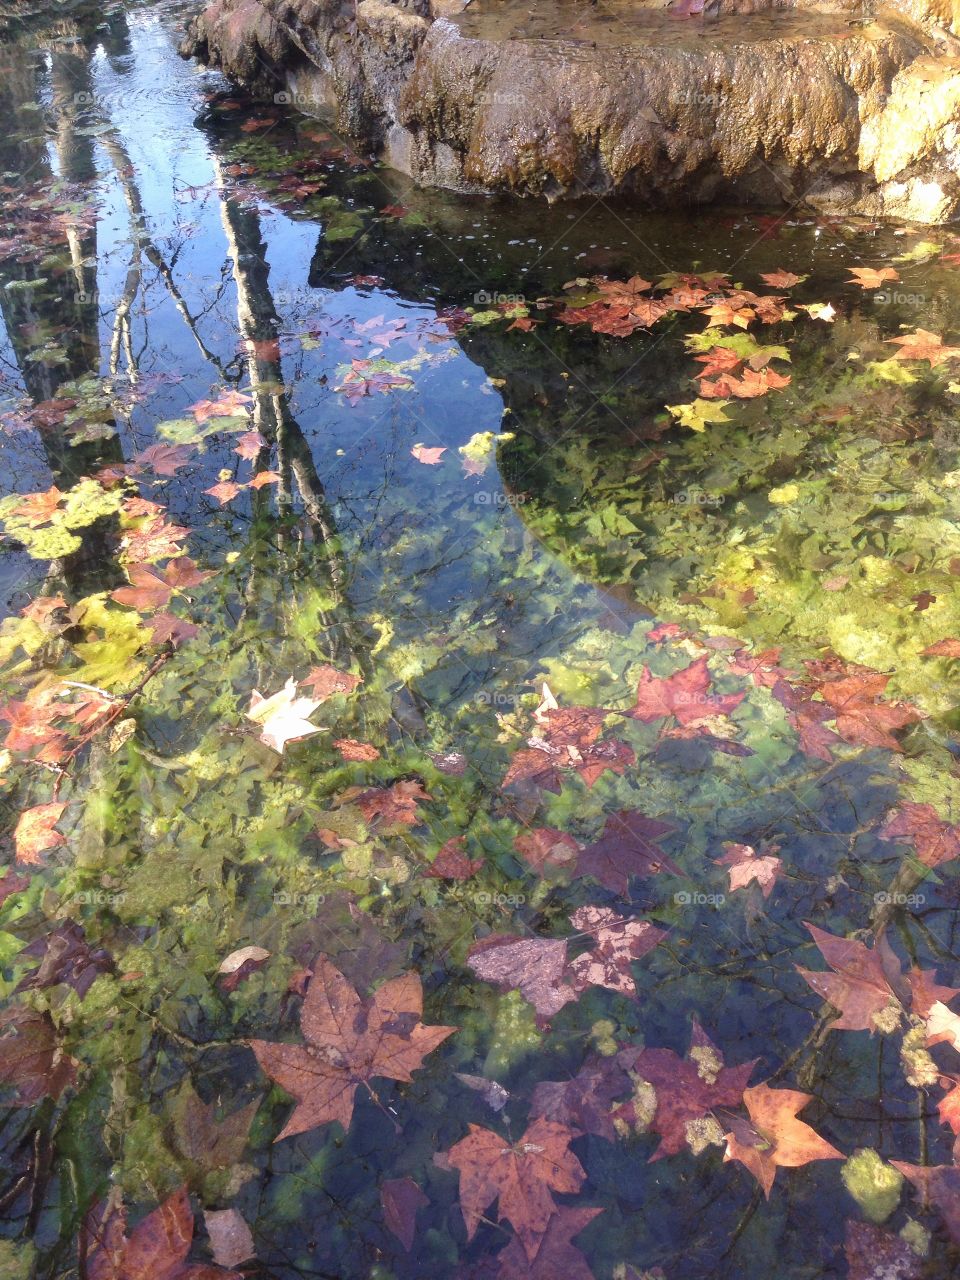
(830, 105)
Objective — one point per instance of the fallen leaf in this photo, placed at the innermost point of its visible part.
(520, 1176)
(32, 1059)
(451, 863)
(349, 1042)
(687, 1089)
(774, 1138)
(401, 1198)
(431, 456)
(875, 1254)
(283, 716)
(872, 277)
(555, 1256)
(682, 695)
(940, 1186)
(230, 1237)
(744, 864)
(628, 847)
(34, 833)
(156, 1249)
(935, 840)
(923, 345)
(357, 752)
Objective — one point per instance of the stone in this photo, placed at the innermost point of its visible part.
(765, 104)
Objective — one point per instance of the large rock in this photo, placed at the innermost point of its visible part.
(764, 104)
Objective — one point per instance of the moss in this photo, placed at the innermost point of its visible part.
(874, 1184)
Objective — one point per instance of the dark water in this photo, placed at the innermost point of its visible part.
(166, 242)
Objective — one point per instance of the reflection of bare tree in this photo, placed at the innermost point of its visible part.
(259, 327)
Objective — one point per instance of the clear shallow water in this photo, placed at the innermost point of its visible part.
(192, 247)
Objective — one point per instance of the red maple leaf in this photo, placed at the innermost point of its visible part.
(451, 863)
(940, 1186)
(545, 847)
(164, 459)
(935, 841)
(349, 1042)
(861, 717)
(687, 1088)
(875, 1254)
(568, 742)
(682, 695)
(519, 1175)
(157, 1247)
(628, 847)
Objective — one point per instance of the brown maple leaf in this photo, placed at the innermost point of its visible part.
(949, 648)
(396, 804)
(201, 1138)
(687, 1088)
(35, 832)
(923, 345)
(325, 681)
(357, 752)
(349, 1042)
(781, 279)
(32, 1059)
(628, 847)
(520, 1176)
(872, 277)
(555, 1255)
(774, 1138)
(156, 1249)
(543, 847)
(400, 1199)
(744, 864)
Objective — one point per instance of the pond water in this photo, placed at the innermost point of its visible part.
(618, 578)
